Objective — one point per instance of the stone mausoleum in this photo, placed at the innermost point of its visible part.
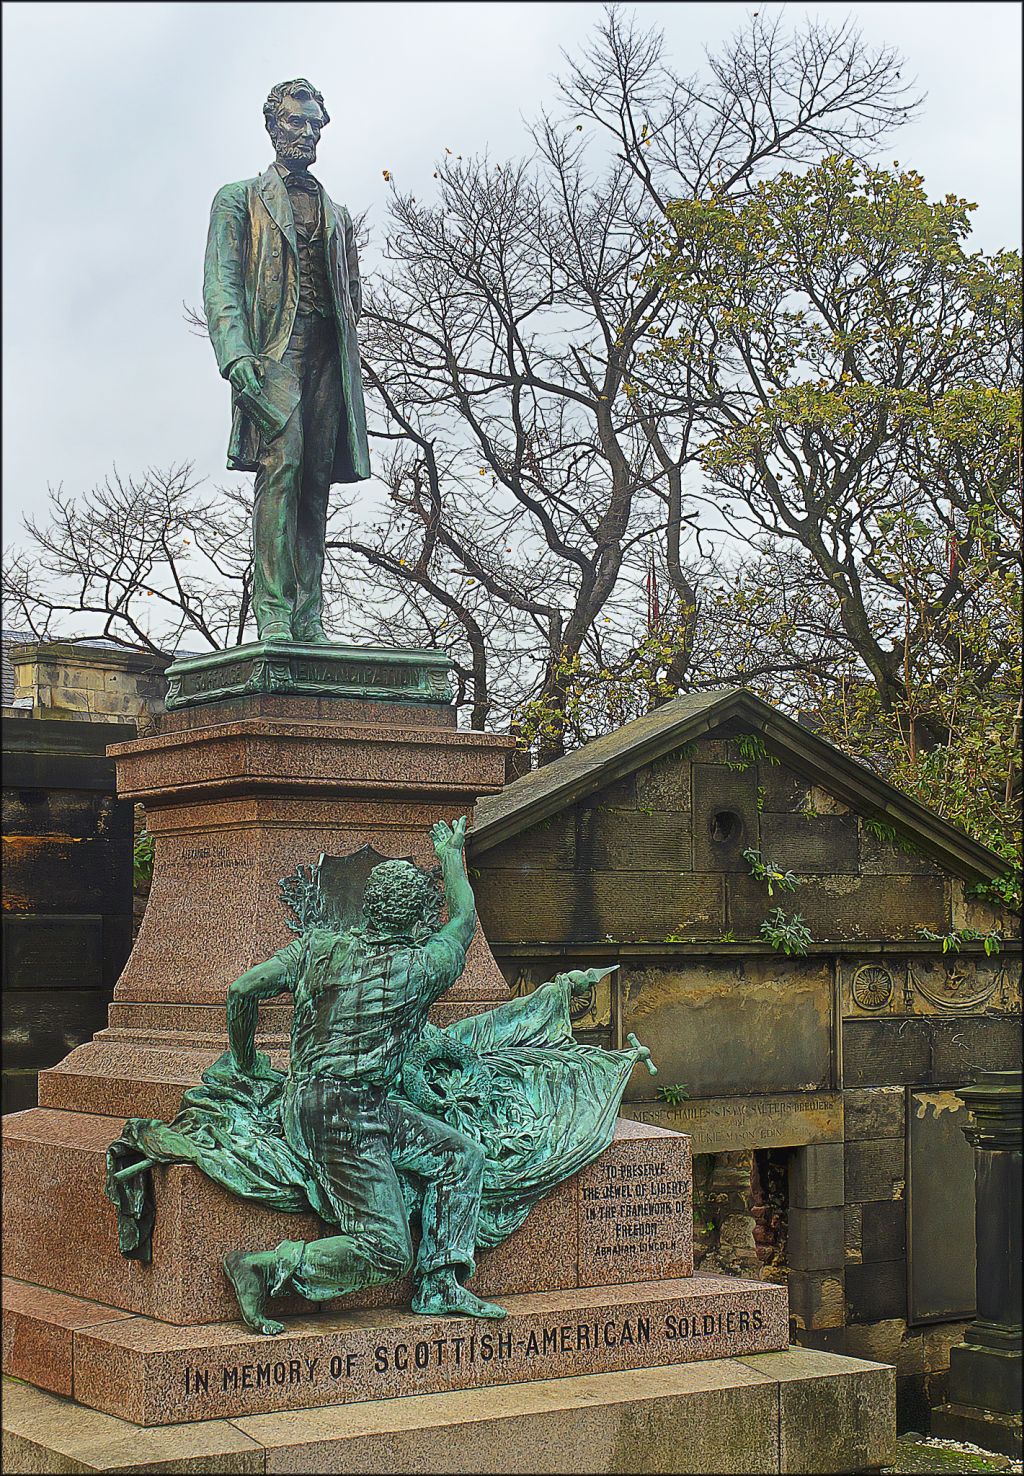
(819, 1088)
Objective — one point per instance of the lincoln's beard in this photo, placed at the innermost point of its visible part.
(299, 151)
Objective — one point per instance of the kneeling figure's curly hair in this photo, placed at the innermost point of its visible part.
(400, 897)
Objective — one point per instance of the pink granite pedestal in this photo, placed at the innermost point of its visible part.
(236, 795)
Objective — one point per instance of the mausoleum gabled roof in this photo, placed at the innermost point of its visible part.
(542, 793)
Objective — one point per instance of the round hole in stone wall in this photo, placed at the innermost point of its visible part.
(724, 825)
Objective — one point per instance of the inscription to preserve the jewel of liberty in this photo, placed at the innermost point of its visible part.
(635, 1211)
(635, 1214)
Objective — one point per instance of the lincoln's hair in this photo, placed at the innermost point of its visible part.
(300, 89)
(398, 895)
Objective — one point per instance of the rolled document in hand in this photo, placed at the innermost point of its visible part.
(278, 396)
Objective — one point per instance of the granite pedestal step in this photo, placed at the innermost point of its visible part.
(627, 1217)
(154, 1373)
(792, 1411)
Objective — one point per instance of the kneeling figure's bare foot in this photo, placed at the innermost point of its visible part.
(440, 1294)
(249, 1276)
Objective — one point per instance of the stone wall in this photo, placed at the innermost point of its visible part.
(797, 1066)
(67, 918)
(87, 682)
(657, 856)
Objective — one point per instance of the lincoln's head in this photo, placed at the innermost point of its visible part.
(401, 899)
(295, 117)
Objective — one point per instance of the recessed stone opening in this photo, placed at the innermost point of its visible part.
(724, 825)
(740, 1213)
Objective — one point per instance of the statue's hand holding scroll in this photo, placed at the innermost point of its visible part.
(245, 375)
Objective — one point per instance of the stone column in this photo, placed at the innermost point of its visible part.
(985, 1369)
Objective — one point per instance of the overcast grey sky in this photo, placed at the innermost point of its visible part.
(122, 120)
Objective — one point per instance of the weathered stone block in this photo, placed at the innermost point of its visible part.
(822, 1339)
(817, 1298)
(731, 1029)
(631, 840)
(853, 1226)
(880, 858)
(843, 906)
(884, 1052)
(938, 1343)
(514, 908)
(875, 1169)
(876, 1291)
(782, 789)
(46, 1433)
(884, 1342)
(579, 907)
(969, 1044)
(725, 819)
(884, 1236)
(548, 846)
(852, 1428)
(815, 1239)
(665, 784)
(619, 795)
(818, 844)
(729, 1124)
(816, 1176)
(651, 905)
(715, 751)
(874, 1112)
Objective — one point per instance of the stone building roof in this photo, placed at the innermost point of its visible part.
(542, 793)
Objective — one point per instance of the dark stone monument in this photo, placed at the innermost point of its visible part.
(985, 1369)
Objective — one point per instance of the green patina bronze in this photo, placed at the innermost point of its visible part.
(385, 1126)
(378, 674)
(282, 298)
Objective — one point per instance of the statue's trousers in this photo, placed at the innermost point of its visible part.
(293, 486)
(353, 1139)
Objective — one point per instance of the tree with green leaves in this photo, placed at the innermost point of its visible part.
(855, 371)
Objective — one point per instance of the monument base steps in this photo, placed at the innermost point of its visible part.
(155, 1373)
(795, 1411)
(627, 1217)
